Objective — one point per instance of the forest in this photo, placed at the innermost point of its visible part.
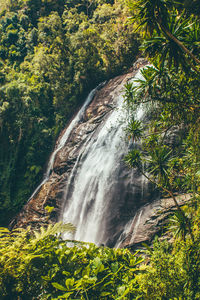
(52, 53)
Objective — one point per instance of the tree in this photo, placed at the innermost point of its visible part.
(154, 158)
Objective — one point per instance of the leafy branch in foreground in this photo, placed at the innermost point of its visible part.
(168, 91)
(177, 225)
(169, 153)
(40, 265)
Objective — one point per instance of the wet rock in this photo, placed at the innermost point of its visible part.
(150, 220)
(51, 192)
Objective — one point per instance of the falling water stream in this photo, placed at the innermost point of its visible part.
(94, 179)
(65, 136)
(101, 195)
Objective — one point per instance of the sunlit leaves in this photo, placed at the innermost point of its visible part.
(158, 163)
(167, 31)
(134, 130)
(133, 158)
(166, 49)
(42, 264)
(177, 225)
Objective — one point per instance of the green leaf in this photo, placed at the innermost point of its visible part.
(65, 296)
(69, 283)
(66, 273)
(78, 271)
(121, 290)
(103, 294)
(114, 267)
(147, 247)
(97, 262)
(58, 286)
(86, 272)
(4, 230)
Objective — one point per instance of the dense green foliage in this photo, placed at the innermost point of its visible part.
(169, 153)
(173, 272)
(52, 53)
(42, 266)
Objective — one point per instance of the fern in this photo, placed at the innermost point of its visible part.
(40, 265)
(21, 247)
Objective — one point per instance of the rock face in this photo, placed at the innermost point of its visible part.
(150, 220)
(129, 218)
(51, 191)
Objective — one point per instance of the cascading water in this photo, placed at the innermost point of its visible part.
(108, 203)
(87, 182)
(92, 195)
(65, 136)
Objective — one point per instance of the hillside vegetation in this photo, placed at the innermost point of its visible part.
(52, 53)
(40, 265)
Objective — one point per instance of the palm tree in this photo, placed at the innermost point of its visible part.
(167, 49)
(178, 225)
(158, 160)
(134, 130)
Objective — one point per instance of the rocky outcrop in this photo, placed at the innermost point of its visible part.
(51, 191)
(149, 221)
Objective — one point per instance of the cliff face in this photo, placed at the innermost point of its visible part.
(125, 207)
(150, 220)
(51, 192)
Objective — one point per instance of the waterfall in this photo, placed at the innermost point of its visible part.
(87, 181)
(69, 129)
(94, 191)
(65, 137)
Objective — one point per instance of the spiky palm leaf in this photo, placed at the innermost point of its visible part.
(177, 225)
(133, 158)
(158, 163)
(167, 49)
(147, 12)
(134, 130)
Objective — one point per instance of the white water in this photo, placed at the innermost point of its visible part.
(93, 181)
(135, 229)
(65, 137)
(130, 230)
